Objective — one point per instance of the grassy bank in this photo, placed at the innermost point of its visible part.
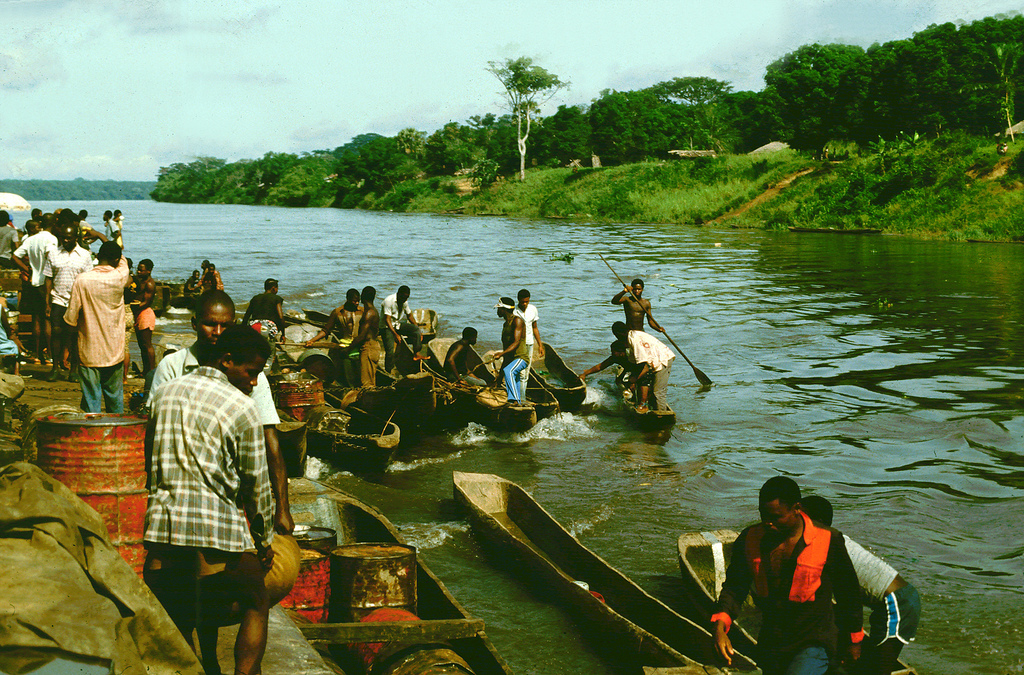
(955, 187)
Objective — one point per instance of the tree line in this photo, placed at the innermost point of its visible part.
(78, 189)
(943, 79)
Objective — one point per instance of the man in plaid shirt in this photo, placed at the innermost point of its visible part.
(208, 476)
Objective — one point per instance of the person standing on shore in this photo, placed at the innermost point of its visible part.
(513, 339)
(8, 241)
(87, 235)
(265, 310)
(96, 309)
(214, 313)
(62, 267)
(198, 542)
(644, 347)
(794, 567)
(528, 313)
(30, 257)
(366, 341)
(895, 604)
(145, 317)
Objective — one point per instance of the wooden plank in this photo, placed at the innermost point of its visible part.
(393, 631)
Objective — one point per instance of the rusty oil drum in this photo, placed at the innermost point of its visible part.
(298, 392)
(101, 458)
(366, 577)
(322, 539)
(311, 593)
(399, 658)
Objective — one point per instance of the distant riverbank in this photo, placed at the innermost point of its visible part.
(955, 188)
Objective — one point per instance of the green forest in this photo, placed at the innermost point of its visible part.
(871, 131)
(78, 189)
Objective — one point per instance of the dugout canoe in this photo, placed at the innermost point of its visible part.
(650, 419)
(625, 622)
(443, 621)
(410, 402)
(703, 560)
(550, 372)
(486, 404)
(351, 439)
(426, 319)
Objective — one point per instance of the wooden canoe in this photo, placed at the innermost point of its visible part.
(411, 402)
(628, 624)
(351, 439)
(703, 559)
(551, 373)
(650, 419)
(443, 619)
(487, 405)
(426, 319)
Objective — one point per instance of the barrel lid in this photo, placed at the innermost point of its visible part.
(312, 534)
(83, 419)
(374, 551)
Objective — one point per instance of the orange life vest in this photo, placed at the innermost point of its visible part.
(809, 564)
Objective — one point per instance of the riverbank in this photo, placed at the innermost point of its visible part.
(955, 188)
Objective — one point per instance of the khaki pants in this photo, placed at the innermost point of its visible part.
(369, 357)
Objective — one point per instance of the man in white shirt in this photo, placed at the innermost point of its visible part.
(393, 328)
(528, 313)
(62, 267)
(30, 257)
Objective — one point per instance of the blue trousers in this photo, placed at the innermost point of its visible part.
(512, 381)
(102, 385)
(811, 660)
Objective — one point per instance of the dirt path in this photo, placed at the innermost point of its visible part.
(770, 193)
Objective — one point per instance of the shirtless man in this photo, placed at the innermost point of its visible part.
(365, 341)
(342, 324)
(145, 318)
(644, 347)
(456, 368)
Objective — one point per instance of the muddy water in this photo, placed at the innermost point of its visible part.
(881, 372)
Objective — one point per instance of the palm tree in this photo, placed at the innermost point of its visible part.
(1006, 58)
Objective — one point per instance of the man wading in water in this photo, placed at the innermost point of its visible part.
(644, 347)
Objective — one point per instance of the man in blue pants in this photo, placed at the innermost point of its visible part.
(515, 355)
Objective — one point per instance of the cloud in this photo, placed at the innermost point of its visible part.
(28, 65)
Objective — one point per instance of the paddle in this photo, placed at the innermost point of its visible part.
(315, 345)
(701, 377)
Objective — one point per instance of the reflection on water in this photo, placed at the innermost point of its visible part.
(881, 372)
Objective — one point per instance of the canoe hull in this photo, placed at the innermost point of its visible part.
(353, 442)
(629, 625)
(313, 503)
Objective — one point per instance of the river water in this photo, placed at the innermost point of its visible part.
(881, 372)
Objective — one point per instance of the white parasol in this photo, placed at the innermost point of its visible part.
(12, 202)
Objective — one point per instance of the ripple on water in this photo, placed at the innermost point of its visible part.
(396, 467)
(431, 535)
(578, 527)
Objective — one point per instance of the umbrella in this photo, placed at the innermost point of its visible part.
(12, 202)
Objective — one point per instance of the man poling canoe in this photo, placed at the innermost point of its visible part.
(645, 308)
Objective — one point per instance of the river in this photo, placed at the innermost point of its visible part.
(882, 372)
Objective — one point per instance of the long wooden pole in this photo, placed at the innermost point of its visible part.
(701, 377)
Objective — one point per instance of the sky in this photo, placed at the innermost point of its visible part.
(103, 89)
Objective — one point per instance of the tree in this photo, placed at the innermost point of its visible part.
(1006, 61)
(703, 97)
(527, 87)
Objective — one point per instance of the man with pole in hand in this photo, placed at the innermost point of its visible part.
(642, 346)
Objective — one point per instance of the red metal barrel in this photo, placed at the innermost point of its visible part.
(322, 539)
(365, 577)
(312, 590)
(298, 392)
(101, 458)
(399, 658)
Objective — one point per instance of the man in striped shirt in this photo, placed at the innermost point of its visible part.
(96, 309)
(209, 521)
